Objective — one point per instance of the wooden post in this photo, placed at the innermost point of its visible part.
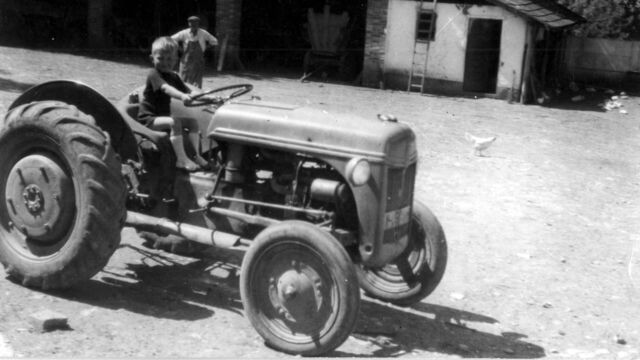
(528, 61)
(223, 53)
(98, 11)
(228, 23)
(545, 61)
(157, 14)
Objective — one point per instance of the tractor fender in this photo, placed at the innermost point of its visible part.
(89, 101)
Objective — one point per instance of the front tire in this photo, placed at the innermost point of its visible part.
(417, 271)
(62, 200)
(299, 289)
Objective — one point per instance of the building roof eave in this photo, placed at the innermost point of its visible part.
(546, 12)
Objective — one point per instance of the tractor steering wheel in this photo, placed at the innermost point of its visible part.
(242, 89)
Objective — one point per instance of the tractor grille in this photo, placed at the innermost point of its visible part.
(400, 187)
(399, 195)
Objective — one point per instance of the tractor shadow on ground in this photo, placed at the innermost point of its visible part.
(161, 285)
(164, 285)
(436, 329)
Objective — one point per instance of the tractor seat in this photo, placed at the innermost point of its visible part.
(130, 114)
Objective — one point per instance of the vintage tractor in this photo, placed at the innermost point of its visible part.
(322, 203)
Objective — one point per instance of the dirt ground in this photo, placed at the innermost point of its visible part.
(543, 235)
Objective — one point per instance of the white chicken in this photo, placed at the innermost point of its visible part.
(479, 144)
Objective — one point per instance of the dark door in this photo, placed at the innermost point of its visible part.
(483, 56)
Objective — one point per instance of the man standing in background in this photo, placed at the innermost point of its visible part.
(193, 41)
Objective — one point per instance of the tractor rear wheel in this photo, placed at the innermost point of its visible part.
(414, 274)
(62, 198)
(299, 289)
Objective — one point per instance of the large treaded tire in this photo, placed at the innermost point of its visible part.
(62, 197)
(417, 271)
(299, 289)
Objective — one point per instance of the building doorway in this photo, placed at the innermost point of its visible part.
(275, 34)
(483, 56)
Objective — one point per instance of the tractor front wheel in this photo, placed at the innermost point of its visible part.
(61, 196)
(299, 289)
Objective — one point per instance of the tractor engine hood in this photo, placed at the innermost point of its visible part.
(313, 131)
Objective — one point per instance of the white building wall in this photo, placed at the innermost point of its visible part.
(447, 53)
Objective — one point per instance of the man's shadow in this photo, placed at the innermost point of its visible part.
(169, 286)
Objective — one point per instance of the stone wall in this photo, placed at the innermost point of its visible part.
(375, 39)
(603, 62)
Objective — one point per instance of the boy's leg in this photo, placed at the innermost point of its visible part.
(177, 142)
(194, 139)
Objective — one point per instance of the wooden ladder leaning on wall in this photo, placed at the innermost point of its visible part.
(415, 58)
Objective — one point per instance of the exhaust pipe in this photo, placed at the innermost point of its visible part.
(198, 234)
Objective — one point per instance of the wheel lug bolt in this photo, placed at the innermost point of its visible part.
(44, 174)
(19, 171)
(13, 207)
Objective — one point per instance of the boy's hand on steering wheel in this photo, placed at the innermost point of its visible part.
(187, 99)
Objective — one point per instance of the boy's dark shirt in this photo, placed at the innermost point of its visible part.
(154, 101)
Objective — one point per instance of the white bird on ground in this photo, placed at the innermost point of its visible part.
(479, 144)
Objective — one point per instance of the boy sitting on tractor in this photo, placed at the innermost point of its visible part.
(155, 111)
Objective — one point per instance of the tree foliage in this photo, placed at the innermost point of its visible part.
(615, 19)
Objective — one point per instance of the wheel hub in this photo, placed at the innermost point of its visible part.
(33, 199)
(40, 198)
(297, 295)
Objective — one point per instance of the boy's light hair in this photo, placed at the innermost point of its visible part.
(164, 44)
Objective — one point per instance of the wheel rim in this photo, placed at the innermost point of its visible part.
(39, 206)
(302, 294)
(401, 274)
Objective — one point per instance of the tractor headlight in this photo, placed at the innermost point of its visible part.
(358, 171)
